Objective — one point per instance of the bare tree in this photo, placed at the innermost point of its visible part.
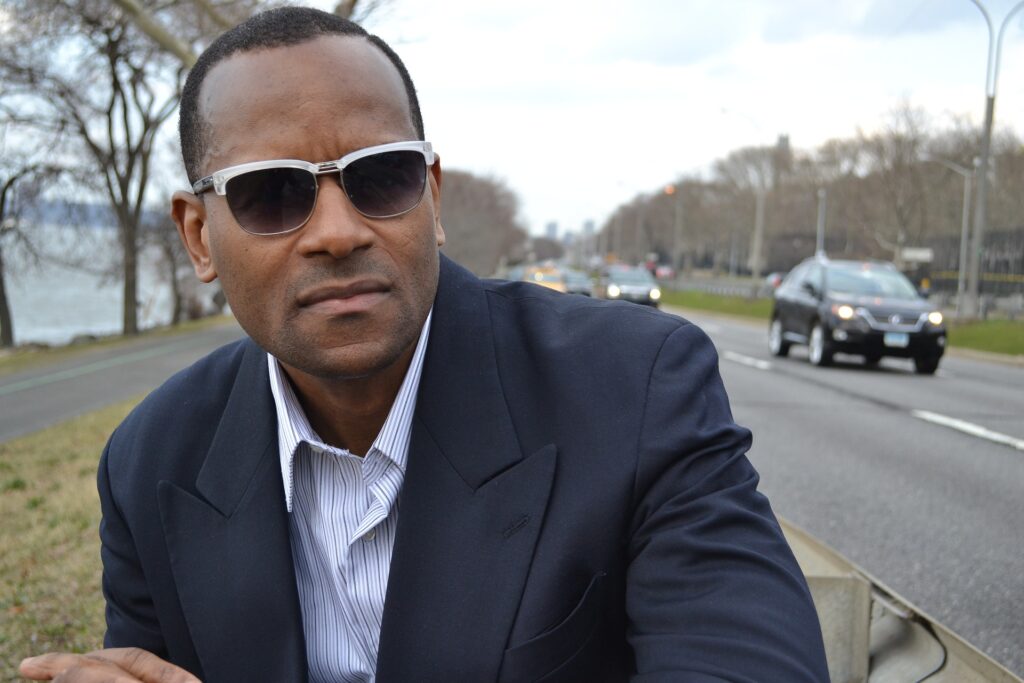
(215, 17)
(113, 98)
(895, 158)
(18, 186)
(481, 220)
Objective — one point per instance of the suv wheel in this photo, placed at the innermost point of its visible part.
(819, 352)
(776, 344)
(926, 365)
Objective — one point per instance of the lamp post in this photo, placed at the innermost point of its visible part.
(819, 242)
(681, 261)
(968, 176)
(995, 46)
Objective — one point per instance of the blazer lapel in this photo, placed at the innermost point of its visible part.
(471, 506)
(229, 549)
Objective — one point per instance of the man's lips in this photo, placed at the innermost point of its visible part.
(336, 299)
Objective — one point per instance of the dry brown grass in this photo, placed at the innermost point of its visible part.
(49, 545)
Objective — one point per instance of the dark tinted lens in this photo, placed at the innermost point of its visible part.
(386, 184)
(272, 200)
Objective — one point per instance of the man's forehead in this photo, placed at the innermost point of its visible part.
(343, 77)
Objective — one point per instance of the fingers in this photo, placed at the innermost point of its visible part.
(120, 665)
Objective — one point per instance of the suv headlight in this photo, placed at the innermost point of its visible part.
(935, 318)
(614, 291)
(844, 311)
(655, 294)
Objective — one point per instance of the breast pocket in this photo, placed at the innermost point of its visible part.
(543, 654)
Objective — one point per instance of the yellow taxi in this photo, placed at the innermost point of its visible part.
(546, 276)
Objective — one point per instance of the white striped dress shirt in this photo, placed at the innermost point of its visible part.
(344, 512)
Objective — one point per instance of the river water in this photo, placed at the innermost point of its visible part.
(52, 303)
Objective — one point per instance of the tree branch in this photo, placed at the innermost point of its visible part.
(148, 25)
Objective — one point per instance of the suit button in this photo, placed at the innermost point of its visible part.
(370, 535)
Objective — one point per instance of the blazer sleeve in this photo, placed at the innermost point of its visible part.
(130, 613)
(713, 591)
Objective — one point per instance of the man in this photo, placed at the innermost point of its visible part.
(543, 487)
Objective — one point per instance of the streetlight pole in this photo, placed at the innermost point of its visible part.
(822, 199)
(968, 175)
(680, 251)
(995, 46)
(756, 260)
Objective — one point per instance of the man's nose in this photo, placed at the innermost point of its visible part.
(335, 227)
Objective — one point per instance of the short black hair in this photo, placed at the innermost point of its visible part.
(274, 28)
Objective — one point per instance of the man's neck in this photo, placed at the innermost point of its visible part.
(349, 413)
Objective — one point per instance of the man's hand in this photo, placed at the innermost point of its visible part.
(120, 665)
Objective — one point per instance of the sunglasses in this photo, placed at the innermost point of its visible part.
(275, 197)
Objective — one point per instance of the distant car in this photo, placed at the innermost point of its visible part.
(513, 273)
(546, 276)
(627, 283)
(577, 282)
(866, 308)
(771, 282)
(664, 272)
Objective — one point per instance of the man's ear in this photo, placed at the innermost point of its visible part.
(189, 215)
(435, 191)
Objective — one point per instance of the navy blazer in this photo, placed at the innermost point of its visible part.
(577, 506)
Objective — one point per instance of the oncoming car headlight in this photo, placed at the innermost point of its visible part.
(935, 318)
(844, 311)
(614, 291)
(655, 294)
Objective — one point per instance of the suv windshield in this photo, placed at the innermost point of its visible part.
(631, 276)
(869, 281)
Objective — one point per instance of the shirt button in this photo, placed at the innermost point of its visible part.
(370, 535)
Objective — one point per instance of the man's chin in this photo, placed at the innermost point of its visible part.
(342, 363)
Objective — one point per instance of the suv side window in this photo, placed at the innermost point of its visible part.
(796, 276)
(817, 278)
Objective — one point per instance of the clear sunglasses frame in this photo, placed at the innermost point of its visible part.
(218, 181)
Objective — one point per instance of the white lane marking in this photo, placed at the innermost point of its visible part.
(969, 428)
(746, 360)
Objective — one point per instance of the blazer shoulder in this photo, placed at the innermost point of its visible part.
(181, 414)
(580, 324)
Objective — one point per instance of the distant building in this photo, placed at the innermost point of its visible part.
(551, 230)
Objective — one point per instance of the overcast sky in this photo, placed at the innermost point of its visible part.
(580, 104)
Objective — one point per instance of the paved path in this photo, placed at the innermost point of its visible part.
(42, 396)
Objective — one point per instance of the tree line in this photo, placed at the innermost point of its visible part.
(884, 191)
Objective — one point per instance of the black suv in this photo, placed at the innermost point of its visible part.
(866, 308)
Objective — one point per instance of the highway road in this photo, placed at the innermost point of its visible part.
(44, 395)
(919, 480)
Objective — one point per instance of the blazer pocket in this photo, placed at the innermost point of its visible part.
(544, 653)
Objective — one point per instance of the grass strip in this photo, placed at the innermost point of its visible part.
(50, 595)
(994, 336)
(733, 305)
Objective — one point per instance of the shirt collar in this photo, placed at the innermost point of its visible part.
(293, 428)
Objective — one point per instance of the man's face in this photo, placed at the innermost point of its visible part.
(344, 296)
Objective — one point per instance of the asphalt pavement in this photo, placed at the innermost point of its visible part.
(47, 394)
(919, 480)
